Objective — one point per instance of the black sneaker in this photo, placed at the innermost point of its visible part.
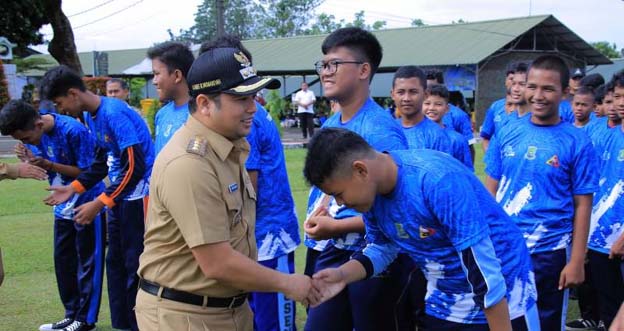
(582, 325)
(60, 325)
(80, 326)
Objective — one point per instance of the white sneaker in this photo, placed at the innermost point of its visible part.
(60, 325)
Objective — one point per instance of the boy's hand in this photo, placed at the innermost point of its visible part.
(573, 274)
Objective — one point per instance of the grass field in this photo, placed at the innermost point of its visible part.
(29, 296)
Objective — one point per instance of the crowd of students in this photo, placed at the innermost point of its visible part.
(400, 233)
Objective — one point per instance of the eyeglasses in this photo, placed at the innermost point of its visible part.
(331, 66)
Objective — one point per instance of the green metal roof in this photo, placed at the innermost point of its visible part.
(438, 45)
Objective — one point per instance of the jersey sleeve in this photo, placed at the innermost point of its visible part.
(133, 169)
(253, 161)
(484, 273)
(124, 133)
(464, 126)
(454, 204)
(379, 251)
(585, 170)
(487, 128)
(493, 160)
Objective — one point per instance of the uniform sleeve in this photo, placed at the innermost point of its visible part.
(9, 171)
(463, 125)
(133, 168)
(124, 133)
(483, 271)
(379, 251)
(463, 152)
(254, 139)
(492, 159)
(585, 175)
(82, 143)
(197, 206)
(453, 203)
(94, 174)
(487, 128)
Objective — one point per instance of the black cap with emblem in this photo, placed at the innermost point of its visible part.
(226, 70)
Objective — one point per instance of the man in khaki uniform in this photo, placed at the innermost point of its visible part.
(199, 261)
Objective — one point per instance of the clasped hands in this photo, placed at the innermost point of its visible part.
(323, 286)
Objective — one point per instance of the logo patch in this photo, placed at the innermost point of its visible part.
(401, 233)
(531, 153)
(426, 232)
(553, 161)
(621, 155)
(232, 187)
(508, 151)
(106, 138)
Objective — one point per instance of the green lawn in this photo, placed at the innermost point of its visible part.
(29, 296)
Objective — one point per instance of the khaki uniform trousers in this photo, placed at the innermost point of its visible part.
(157, 314)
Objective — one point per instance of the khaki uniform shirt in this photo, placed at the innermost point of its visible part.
(200, 193)
(8, 171)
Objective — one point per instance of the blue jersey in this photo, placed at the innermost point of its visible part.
(168, 120)
(459, 148)
(459, 121)
(540, 169)
(470, 251)
(116, 127)
(277, 229)
(607, 218)
(493, 116)
(565, 111)
(427, 134)
(69, 143)
(383, 133)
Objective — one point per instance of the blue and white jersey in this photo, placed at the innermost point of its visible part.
(459, 148)
(493, 116)
(427, 134)
(565, 111)
(69, 143)
(540, 169)
(168, 120)
(277, 229)
(607, 217)
(116, 127)
(383, 133)
(598, 130)
(459, 121)
(470, 251)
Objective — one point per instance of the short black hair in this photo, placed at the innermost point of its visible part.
(122, 83)
(436, 75)
(585, 90)
(618, 79)
(599, 93)
(440, 91)
(225, 41)
(332, 151)
(175, 55)
(520, 67)
(363, 43)
(410, 72)
(57, 81)
(17, 115)
(593, 81)
(553, 63)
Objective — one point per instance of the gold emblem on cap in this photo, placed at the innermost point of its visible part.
(197, 145)
(240, 57)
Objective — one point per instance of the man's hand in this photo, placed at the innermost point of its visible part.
(326, 284)
(25, 170)
(59, 194)
(85, 213)
(298, 288)
(23, 153)
(617, 249)
(573, 274)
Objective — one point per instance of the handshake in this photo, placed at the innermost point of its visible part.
(323, 286)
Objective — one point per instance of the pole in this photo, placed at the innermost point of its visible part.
(220, 22)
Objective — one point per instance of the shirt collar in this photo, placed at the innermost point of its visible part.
(220, 144)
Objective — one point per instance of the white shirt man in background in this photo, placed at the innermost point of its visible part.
(304, 100)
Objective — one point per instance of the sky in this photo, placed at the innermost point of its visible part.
(125, 24)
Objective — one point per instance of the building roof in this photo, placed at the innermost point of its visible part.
(436, 45)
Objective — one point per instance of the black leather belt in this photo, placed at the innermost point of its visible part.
(190, 298)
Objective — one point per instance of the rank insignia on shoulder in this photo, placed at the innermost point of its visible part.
(197, 145)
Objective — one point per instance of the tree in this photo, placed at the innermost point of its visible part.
(607, 49)
(31, 63)
(4, 88)
(287, 18)
(417, 22)
(325, 23)
(20, 23)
